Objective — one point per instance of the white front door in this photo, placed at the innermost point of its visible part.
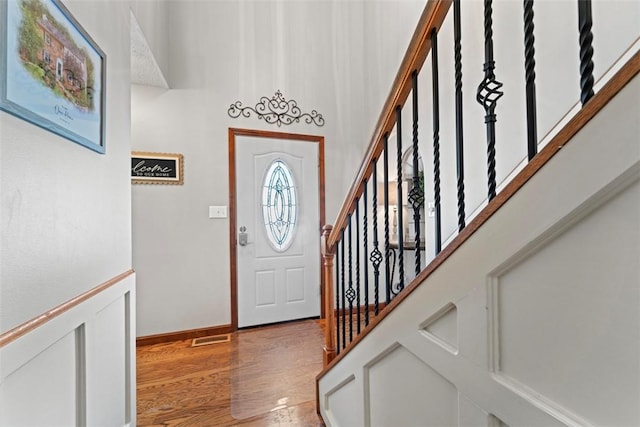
(278, 230)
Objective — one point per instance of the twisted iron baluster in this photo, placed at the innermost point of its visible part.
(365, 239)
(530, 78)
(337, 300)
(400, 286)
(585, 23)
(459, 134)
(351, 294)
(436, 139)
(376, 255)
(387, 249)
(344, 305)
(358, 307)
(488, 95)
(416, 195)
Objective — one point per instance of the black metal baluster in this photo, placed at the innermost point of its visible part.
(585, 23)
(400, 215)
(457, 35)
(436, 139)
(530, 78)
(358, 307)
(416, 195)
(387, 249)
(351, 294)
(365, 238)
(376, 255)
(488, 95)
(344, 306)
(337, 299)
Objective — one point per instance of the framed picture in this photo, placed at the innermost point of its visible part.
(52, 73)
(156, 168)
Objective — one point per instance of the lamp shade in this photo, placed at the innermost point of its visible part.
(393, 193)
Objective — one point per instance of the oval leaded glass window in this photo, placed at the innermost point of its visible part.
(279, 205)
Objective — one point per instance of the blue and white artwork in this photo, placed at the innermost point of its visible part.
(54, 72)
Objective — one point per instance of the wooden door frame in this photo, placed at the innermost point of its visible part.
(233, 243)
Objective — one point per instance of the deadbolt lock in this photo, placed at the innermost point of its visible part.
(243, 237)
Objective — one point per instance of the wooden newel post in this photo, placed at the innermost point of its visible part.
(329, 310)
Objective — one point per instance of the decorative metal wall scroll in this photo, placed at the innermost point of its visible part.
(276, 110)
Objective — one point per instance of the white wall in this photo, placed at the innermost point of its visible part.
(388, 30)
(65, 210)
(65, 223)
(543, 328)
(557, 85)
(153, 19)
(615, 40)
(222, 52)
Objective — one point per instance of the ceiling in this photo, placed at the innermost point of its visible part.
(144, 68)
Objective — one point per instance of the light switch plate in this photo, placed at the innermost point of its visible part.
(217, 211)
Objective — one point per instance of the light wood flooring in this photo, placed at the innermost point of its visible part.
(261, 377)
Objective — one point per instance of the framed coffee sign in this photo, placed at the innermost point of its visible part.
(156, 168)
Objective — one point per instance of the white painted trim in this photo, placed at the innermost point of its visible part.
(598, 168)
(79, 321)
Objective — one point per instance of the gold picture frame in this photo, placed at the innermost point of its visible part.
(157, 168)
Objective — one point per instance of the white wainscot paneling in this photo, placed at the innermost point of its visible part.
(106, 366)
(559, 317)
(77, 368)
(443, 328)
(404, 391)
(54, 390)
(534, 320)
(342, 404)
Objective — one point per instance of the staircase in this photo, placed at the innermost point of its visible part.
(485, 266)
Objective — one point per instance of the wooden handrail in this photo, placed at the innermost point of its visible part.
(432, 18)
(28, 326)
(601, 98)
(430, 21)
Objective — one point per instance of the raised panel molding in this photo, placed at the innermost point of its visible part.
(442, 328)
(295, 285)
(546, 297)
(105, 365)
(339, 403)
(470, 414)
(54, 390)
(400, 389)
(550, 310)
(496, 422)
(91, 344)
(265, 288)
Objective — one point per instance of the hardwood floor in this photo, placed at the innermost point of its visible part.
(261, 377)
